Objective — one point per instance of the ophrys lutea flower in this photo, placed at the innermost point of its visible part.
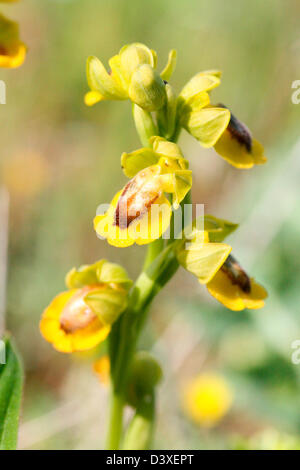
(211, 262)
(81, 317)
(216, 126)
(141, 212)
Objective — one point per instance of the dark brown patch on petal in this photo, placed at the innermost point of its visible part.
(3, 51)
(236, 274)
(239, 131)
(128, 208)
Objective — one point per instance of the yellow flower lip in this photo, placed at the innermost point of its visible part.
(235, 289)
(71, 329)
(237, 146)
(76, 314)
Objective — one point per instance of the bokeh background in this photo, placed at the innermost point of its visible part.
(60, 159)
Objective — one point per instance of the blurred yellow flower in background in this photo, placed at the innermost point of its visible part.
(25, 174)
(207, 398)
(12, 49)
(102, 368)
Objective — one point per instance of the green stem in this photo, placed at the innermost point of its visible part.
(115, 421)
(153, 251)
(140, 431)
(159, 266)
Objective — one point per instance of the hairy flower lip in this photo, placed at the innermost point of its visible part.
(76, 314)
(134, 202)
(239, 131)
(236, 274)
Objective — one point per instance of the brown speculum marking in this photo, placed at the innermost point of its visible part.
(3, 51)
(76, 314)
(236, 274)
(239, 131)
(136, 199)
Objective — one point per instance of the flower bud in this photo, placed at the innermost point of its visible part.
(133, 56)
(147, 89)
(145, 375)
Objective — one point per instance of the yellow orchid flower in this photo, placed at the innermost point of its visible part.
(207, 398)
(237, 146)
(101, 367)
(232, 286)
(140, 212)
(81, 318)
(204, 122)
(132, 76)
(12, 50)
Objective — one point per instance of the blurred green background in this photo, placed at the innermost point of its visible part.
(60, 159)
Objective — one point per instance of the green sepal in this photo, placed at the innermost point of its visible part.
(147, 89)
(166, 116)
(170, 66)
(202, 259)
(198, 84)
(108, 303)
(207, 125)
(218, 229)
(144, 124)
(182, 185)
(136, 161)
(101, 272)
(165, 147)
(100, 80)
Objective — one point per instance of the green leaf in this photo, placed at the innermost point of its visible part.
(11, 380)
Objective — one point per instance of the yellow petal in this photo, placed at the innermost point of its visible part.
(198, 84)
(170, 67)
(132, 163)
(231, 295)
(93, 97)
(237, 154)
(100, 80)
